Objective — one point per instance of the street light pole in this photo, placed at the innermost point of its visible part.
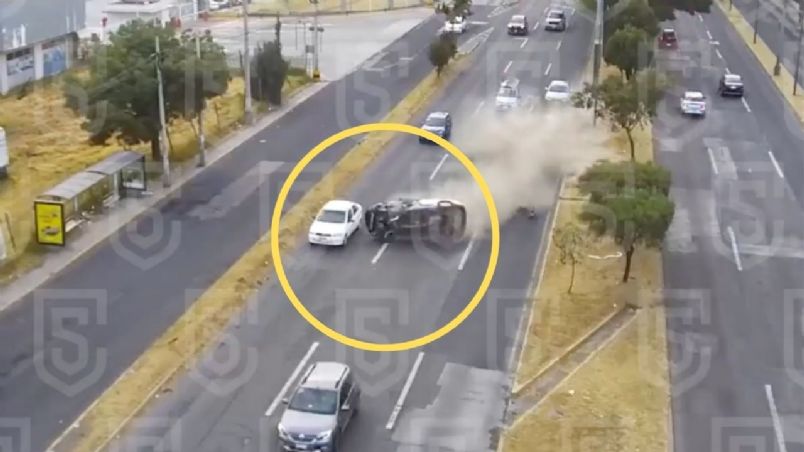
(202, 157)
(316, 72)
(598, 55)
(163, 149)
(777, 68)
(798, 52)
(248, 113)
(756, 18)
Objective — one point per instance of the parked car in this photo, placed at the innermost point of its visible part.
(667, 39)
(731, 85)
(518, 25)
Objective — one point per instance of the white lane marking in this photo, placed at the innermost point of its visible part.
(438, 167)
(466, 254)
(727, 70)
(719, 55)
(700, 17)
(547, 71)
(524, 41)
(777, 425)
(292, 379)
(507, 66)
(776, 164)
(558, 46)
(479, 106)
(379, 253)
(545, 11)
(709, 35)
(745, 104)
(712, 160)
(404, 394)
(734, 249)
(536, 25)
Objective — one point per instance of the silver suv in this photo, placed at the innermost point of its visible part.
(320, 409)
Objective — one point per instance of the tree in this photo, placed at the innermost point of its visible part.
(626, 104)
(632, 220)
(630, 49)
(591, 5)
(458, 8)
(665, 9)
(278, 30)
(442, 49)
(120, 94)
(269, 74)
(571, 243)
(606, 178)
(636, 13)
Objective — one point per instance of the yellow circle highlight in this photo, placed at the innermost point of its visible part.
(412, 343)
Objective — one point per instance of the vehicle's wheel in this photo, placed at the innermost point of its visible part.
(345, 241)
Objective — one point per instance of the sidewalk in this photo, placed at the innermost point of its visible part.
(95, 233)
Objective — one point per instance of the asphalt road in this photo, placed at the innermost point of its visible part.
(65, 343)
(459, 384)
(767, 23)
(733, 257)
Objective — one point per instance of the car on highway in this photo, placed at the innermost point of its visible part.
(438, 122)
(455, 25)
(215, 5)
(335, 223)
(693, 103)
(518, 25)
(558, 91)
(668, 39)
(508, 95)
(731, 85)
(556, 20)
(428, 219)
(324, 402)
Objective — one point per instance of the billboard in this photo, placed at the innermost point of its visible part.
(49, 218)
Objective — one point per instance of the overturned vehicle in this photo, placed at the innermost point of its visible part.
(406, 219)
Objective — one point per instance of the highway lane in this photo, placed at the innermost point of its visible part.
(380, 307)
(733, 253)
(768, 28)
(121, 296)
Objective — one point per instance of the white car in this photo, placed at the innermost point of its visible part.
(557, 91)
(455, 25)
(693, 103)
(507, 96)
(335, 223)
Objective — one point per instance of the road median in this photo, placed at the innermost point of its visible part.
(206, 318)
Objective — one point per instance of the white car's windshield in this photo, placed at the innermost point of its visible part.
(332, 216)
(506, 91)
(731, 78)
(559, 89)
(517, 20)
(435, 121)
(311, 400)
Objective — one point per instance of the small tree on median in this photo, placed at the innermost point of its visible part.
(571, 242)
(606, 178)
(635, 13)
(626, 104)
(632, 220)
(442, 50)
(270, 73)
(630, 49)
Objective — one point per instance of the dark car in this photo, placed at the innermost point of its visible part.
(438, 220)
(668, 39)
(518, 25)
(438, 122)
(731, 85)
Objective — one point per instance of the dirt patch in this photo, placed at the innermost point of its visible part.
(47, 145)
(618, 401)
(767, 59)
(202, 323)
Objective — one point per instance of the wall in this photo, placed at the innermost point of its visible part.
(41, 60)
(25, 23)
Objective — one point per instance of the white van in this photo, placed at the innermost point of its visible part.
(3, 154)
(507, 95)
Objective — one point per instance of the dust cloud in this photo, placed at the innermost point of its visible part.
(522, 157)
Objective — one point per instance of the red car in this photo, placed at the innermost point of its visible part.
(667, 39)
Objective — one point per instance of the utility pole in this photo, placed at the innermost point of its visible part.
(248, 113)
(597, 56)
(777, 68)
(316, 72)
(163, 149)
(202, 151)
(757, 7)
(798, 52)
